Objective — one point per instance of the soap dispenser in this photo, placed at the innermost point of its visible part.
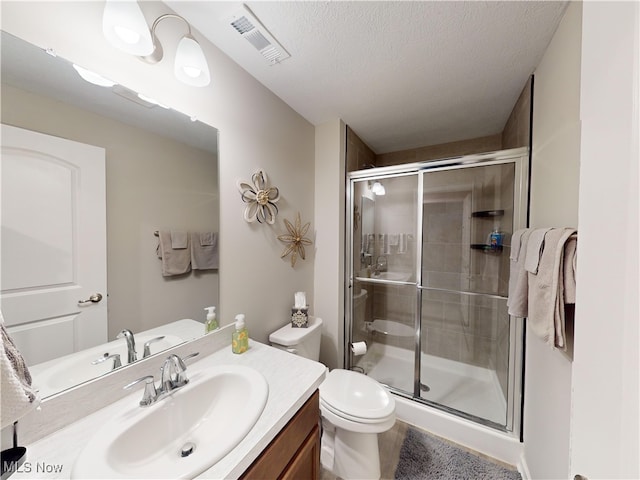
(240, 337)
(211, 324)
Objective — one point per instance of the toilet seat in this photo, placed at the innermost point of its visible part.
(354, 418)
(356, 397)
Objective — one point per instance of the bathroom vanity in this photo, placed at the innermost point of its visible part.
(284, 442)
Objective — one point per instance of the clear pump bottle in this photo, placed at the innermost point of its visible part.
(211, 324)
(240, 337)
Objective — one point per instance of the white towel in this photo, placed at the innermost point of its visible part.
(18, 398)
(518, 300)
(534, 249)
(174, 261)
(393, 239)
(547, 288)
(204, 251)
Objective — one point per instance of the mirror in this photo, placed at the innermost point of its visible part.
(161, 174)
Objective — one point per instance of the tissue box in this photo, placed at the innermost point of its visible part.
(300, 317)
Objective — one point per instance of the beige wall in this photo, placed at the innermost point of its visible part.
(152, 183)
(554, 202)
(328, 289)
(257, 130)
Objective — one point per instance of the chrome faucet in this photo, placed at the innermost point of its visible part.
(131, 345)
(172, 376)
(147, 349)
(117, 363)
(173, 373)
(381, 265)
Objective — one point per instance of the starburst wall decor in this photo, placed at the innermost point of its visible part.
(295, 240)
(260, 198)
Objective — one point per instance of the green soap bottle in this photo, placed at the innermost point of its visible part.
(240, 337)
(211, 323)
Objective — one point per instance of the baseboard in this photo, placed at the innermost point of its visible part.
(523, 468)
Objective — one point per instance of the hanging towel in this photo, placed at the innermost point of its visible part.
(393, 239)
(18, 398)
(518, 299)
(175, 261)
(402, 243)
(547, 288)
(179, 239)
(534, 249)
(204, 251)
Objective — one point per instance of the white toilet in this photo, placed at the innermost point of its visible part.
(354, 408)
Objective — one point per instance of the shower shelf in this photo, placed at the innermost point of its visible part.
(488, 213)
(486, 248)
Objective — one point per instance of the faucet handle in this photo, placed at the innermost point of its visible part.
(147, 350)
(182, 376)
(150, 394)
(117, 363)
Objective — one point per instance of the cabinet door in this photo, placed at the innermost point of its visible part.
(306, 464)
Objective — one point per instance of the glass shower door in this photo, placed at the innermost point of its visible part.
(384, 298)
(467, 222)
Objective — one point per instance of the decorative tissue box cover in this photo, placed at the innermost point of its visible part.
(299, 317)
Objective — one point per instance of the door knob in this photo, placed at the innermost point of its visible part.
(95, 298)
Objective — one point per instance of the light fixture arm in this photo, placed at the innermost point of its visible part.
(158, 52)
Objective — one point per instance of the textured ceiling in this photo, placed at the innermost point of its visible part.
(401, 74)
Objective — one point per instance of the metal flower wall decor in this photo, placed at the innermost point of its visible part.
(295, 240)
(260, 198)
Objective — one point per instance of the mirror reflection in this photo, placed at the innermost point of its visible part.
(91, 175)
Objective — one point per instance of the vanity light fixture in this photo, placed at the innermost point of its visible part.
(125, 27)
(378, 189)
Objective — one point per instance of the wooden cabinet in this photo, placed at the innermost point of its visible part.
(295, 452)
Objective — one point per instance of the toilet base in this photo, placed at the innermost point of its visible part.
(350, 455)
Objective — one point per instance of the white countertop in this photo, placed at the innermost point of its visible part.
(292, 380)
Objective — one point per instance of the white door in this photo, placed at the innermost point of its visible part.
(53, 243)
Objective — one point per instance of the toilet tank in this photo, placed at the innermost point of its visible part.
(300, 341)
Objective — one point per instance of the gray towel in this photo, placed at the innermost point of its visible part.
(518, 301)
(547, 288)
(174, 261)
(18, 398)
(534, 249)
(204, 251)
(179, 239)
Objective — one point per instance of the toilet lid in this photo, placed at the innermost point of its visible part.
(355, 395)
(325, 407)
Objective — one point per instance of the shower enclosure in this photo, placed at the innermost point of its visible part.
(427, 282)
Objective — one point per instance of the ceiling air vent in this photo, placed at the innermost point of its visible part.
(247, 25)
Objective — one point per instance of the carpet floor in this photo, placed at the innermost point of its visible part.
(426, 457)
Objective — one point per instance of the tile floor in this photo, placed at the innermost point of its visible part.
(389, 444)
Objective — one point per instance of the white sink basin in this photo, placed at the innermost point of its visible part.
(211, 415)
(65, 372)
(393, 276)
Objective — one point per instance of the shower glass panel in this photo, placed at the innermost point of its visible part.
(467, 215)
(428, 282)
(384, 297)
